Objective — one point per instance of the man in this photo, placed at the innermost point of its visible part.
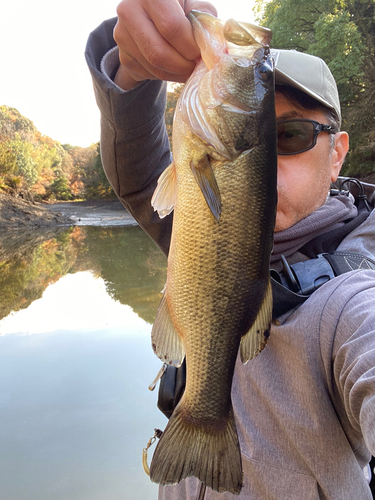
(305, 407)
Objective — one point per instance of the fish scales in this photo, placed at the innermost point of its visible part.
(217, 296)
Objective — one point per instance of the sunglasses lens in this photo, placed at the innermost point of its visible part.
(294, 137)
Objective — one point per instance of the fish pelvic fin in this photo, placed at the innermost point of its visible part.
(211, 455)
(164, 197)
(166, 341)
(256, 338)
(206, 180)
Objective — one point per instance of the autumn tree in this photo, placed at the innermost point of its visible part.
(41, 166)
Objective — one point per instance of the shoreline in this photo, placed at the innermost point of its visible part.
(18, 214)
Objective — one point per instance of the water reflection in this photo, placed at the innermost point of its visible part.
(75, 362)
(131, 266)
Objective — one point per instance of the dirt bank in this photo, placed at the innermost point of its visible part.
(16, 213)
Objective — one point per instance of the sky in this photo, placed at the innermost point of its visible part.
(43, 73)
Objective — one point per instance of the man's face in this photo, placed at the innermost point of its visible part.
(303, 180)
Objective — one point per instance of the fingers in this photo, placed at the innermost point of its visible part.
(155, 40)
(173, 26)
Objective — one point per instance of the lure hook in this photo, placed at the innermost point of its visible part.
(157, 435)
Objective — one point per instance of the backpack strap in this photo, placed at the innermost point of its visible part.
(343, 262)
(284, 299)
(329, 241)
(296, 282)
(171, 388)
(364, 195)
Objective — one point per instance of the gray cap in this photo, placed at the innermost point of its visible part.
(309, 74)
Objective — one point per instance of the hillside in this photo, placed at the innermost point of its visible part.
(41, 168)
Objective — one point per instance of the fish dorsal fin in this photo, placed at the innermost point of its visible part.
(166, 341)
(245, 34)
(236, 33)
(256, 338)
(206, 180)
(164, 197)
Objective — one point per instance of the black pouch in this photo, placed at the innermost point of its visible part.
(171, 388)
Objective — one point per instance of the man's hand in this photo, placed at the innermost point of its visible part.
(155, 40)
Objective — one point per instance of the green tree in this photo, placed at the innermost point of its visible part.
(8, 159)
(342, 32)
(16, 158)
(95, 182)
(25, 164)
(60, 189)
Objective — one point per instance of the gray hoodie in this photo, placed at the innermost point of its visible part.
(305, 407)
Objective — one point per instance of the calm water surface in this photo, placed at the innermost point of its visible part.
(76, 309)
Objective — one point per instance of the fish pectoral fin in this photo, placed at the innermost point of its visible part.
(256, 338)
(206, 180)
(164, 197)
(166, 341)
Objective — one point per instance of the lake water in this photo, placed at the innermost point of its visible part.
(76, 309)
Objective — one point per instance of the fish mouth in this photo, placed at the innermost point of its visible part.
(245, 43)
(235, 31)
(224, 47)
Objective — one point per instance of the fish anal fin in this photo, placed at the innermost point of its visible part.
(164, 197)
(211, 455)
(255, 340)
(166, 341)
(206, 180)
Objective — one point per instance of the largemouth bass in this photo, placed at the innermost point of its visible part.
(217, 300)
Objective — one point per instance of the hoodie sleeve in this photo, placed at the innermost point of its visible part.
(351, 312)
(134, 143)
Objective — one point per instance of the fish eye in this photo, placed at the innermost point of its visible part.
(264, 71)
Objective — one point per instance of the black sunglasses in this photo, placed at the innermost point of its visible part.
(297, 136)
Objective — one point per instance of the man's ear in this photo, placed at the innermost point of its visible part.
(339, 151)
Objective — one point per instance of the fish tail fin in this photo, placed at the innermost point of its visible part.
(211, 455)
